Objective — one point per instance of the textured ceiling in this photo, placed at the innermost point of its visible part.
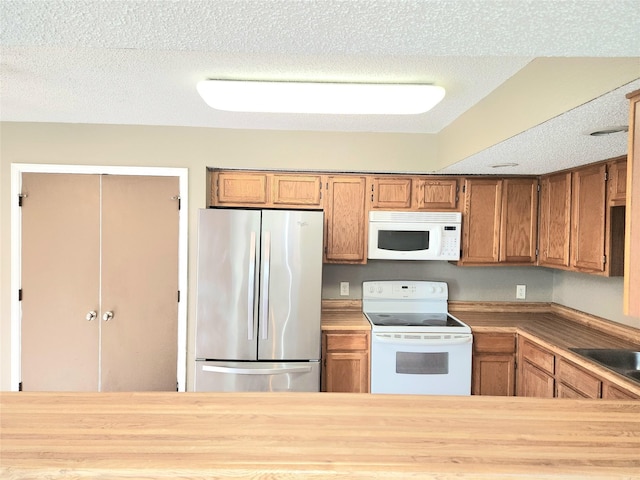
(137, 62)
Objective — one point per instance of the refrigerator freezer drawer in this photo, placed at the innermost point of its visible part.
(214, 376)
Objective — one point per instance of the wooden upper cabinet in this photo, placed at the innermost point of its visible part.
(481, 220)
(555, 219)
(240, 188)
(632, 230)
(617, 182)
(265, 189)
(346, 219)
(297, 190)
(588, 218)
(519, 220)
(500, 221)
(391, 193)
(436, 194)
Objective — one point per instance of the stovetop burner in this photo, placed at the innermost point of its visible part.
(413, 319)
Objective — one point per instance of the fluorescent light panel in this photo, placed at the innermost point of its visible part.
(325, 98)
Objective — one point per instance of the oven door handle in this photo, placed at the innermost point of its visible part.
(461, 340)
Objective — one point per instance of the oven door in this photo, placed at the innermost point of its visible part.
(427, 364)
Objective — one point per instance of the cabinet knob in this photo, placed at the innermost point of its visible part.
(92, 315)
(107, 316)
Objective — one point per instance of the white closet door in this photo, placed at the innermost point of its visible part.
(139, 283)
(60, 281)
(104, 244)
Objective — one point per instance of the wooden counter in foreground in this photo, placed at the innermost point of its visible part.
(314, 436)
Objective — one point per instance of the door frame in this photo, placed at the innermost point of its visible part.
(17, 169)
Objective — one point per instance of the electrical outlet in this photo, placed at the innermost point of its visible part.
(344, 289)
(521, 292)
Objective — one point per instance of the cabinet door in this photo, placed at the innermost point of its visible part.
(346, 220)
(617, 180)
(519, 222)
(346, 372)
(493, 374)
(588, 218)
(555, 215)
(60, 282)
(240, 188)
(139, 283)
(436, 194)
(533, 382)
(296, 190)
(481, 222)
(610, 391)
(392, 193)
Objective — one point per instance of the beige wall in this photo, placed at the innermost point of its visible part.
(197, 148)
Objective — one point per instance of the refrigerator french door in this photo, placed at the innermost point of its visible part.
(258, 300)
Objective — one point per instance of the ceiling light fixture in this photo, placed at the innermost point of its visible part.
(503, 165)
(324, 98)
(610, 130)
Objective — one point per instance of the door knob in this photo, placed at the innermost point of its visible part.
(107, 316)
(92, 315)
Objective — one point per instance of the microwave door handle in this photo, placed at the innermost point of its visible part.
(437, 247)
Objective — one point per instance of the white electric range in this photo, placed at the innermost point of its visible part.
(417, 346)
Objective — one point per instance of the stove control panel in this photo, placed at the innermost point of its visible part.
(398, 289)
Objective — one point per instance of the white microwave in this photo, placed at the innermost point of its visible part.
(397, 235)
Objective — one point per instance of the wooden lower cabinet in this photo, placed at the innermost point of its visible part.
(494, 364)
(614, 392)
(536, 369)
(345, 364)
(575, 382)
(533, 382)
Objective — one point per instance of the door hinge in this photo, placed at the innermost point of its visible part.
(604, 259)
(20, 295)
(177, 386)
(177, 197)
(536, 253)
(20, 197)
(606, 176)
(178, 296)
(538, 187)
(20, 387)
(464, 188)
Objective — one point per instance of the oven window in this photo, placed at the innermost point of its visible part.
(403, 240)
(416, 363)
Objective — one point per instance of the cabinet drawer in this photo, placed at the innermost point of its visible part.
(539, 357)
(494, 343)
(578, 379)
(347, 341)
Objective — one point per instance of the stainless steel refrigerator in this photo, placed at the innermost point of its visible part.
(258, 300)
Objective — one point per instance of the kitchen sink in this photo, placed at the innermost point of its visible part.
(623, 361)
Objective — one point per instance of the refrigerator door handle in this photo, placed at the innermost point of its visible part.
(264, 311)
(251, 286)
(256, 371)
